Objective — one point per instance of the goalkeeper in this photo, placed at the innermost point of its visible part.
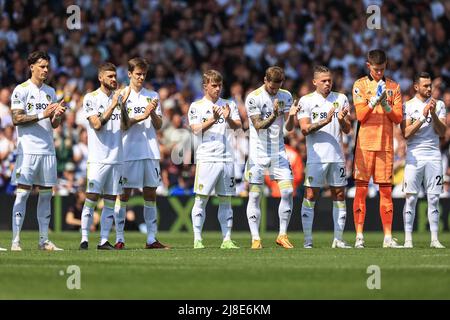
(378, 105)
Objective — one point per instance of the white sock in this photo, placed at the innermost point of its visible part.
(106, 220)
(198, 215)
(339, 217)
(225, 216)
(119, 221)
(44, 213)
(150, 220)
(307, 218)
(254, 211)
(433, 215)
(18, 214)
(409, 213)
(285, 207)
(87, 216)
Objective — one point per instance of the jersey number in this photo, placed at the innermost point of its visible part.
(439, 180)
(232, 182)
(342, 170)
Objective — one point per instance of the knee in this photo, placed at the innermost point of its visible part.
(433, 200)
(386, 191)
(362, 188)
(286, 193)
(255, 193)
(339, 194)
(411, 200)
(124, 197)
(92, 196)
(201, 201)
(286, 188)
(224, 201)
(150, 194)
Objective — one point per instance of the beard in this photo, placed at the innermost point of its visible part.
(109, 87)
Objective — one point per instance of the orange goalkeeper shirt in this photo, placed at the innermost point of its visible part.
(375, 125)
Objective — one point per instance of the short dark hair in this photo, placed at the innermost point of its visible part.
(275, 74)
(320, 69)
(376, 56)
(421, 74)
(106, 66)
(36, 55)
(137, 63)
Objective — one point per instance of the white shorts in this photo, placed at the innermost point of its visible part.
(428, 173)
(218, 177)
(279, 171)
(317, 175)
(104, 178)
(35, 169)
(141, 173)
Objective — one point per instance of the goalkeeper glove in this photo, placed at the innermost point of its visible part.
(385, 105)
(381, 89)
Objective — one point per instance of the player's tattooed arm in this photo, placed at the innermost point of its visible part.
(260, 123)
(307, 127)
(125, 121)
(21, 118)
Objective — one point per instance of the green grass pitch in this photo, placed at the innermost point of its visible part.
(212, 273)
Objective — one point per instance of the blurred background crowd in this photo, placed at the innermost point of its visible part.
(181, 39)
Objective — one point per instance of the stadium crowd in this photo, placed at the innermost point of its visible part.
(181, 39)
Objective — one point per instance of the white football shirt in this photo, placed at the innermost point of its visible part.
(266, 144)
(215, 144)
(324, 145)
(140, 141)
(34, 138)
(104, 145)
(424, 144)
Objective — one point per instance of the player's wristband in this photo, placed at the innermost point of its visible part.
(386, 106)
(373, 102)
(40, 116)
(422, 118)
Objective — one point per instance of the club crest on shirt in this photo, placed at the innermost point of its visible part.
(149, 99)
(315, 115)
(101, 109)
(390, 93)
(310, 179)
(336, 104)
(49, 98)
(200, 187)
